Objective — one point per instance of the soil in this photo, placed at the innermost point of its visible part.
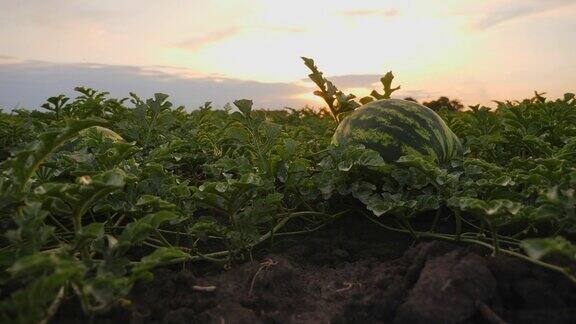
(351, 272)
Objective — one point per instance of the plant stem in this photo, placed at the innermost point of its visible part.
(150, 128)
(213, 256)
(53, 308)
(435, 221)
(494, 232)
(451, 238)
(458, 219)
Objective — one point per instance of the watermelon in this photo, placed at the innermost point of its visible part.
(395, 127)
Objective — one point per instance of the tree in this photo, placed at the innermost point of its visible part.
(444, 102)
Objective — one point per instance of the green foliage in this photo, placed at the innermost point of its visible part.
(340, 104)
(26, 161)
(541, 248)
(95, 193)
(386, 81)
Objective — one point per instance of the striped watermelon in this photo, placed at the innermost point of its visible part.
(395, 127)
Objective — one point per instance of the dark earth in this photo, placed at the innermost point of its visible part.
(351, 272)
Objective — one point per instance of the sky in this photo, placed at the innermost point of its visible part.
(215, 50)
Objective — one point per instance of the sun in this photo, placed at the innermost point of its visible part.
(405, 40)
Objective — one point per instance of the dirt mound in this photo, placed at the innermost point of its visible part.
(431, 283)
(365, 277)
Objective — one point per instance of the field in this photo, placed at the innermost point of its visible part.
(131, 209)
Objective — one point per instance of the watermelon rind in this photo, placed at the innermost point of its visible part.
(396, 127)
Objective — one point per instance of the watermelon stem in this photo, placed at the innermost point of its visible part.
(494, 232)
(407, 225)
(435, 221)
(451, 238)
(458, 219)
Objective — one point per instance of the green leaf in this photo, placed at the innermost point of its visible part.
(498, 210)
(26, 161)
(138, 231)
(29, 304)
(270, 130)
(540, 248)
(359, 156)
(33, 264)
(105, 290)
(365, 100)
(245, 106)
(155, 202)
(378, 204)
(158, 104)
(158, 257)
(89, 233)
(83, 195)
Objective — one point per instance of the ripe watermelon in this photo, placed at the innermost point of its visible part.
(395, 127)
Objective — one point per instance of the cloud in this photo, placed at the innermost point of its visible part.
(517, 9)
(371, 12)
(57, 13)
(285, 29)
(216, 36)
(28, 84)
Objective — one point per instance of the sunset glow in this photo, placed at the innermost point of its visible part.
(477, 51)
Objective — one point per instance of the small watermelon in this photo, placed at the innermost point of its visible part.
(395, 127)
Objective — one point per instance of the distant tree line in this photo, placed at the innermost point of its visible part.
(442, 102)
